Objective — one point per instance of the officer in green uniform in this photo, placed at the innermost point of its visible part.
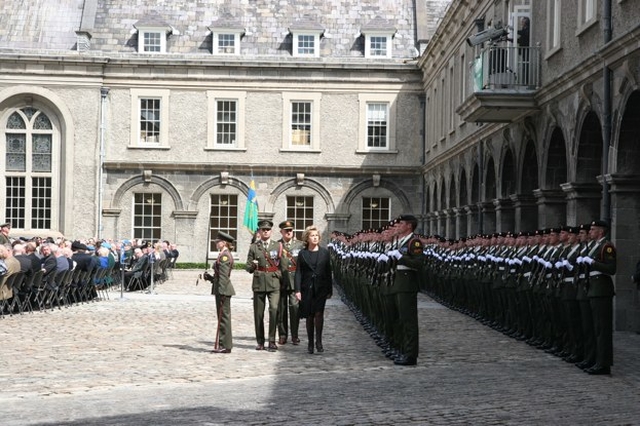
(263, 261)
(410, 259)
(288, 304)
(222, 289)
(601, 266)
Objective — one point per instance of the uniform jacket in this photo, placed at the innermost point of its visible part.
(222, 275)
(406, 280)
(266, 273)
(289, 263)
(604, 255)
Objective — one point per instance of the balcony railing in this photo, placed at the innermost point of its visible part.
(501, 67)
(505, 81)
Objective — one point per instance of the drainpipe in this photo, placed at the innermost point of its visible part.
(104, 91)
(423, 158)
(606, 114)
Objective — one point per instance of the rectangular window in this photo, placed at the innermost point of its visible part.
(41, 153)
(306, 45)
(15, 201)
(378, 46)
(375, 212)
(149, 120)
(226, 122)
(223, 217)
(16, 155)
(300, 211)
(301, 123)
(377, 125)
(587, 11)
(227, 43)
(40, 203)
(147, 216)
(553, 30)
(152, 41)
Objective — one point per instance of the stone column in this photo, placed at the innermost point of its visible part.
(110, 223)
(505, 220)
(191, 236)
(583, 201)
(337, 221)
(525, 212)
(460, 222)
(431, 227)
(488, 224)
(625, 235)
(552, 207)
(449, 225)
(471, 212)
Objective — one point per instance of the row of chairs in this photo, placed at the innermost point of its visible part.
(73, 286)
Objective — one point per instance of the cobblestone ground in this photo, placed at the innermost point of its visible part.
(144, 359)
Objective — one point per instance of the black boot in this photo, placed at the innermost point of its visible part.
(310, 334)
(319, 322)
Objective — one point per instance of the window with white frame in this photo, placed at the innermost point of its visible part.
(377, 45)
(223, 216)
(226, 126)
(378, 123)
(152, 40)
(301, 124)
(149, 118)
(376, 212)
(554, 8)
(147, 216)
(300, 212)
(226, 43)
(306, 44)
(28, 169)
(587, 12)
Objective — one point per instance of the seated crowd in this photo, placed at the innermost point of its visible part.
(42, 273)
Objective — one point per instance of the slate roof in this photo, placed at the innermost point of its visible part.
(49, 26)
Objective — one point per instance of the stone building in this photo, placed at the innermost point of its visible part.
(151, 119)
(533, 132)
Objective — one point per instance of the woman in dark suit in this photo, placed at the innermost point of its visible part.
(313, 284)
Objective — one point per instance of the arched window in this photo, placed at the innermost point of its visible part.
(28, 169)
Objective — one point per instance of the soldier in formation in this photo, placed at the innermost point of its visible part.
(551, 288)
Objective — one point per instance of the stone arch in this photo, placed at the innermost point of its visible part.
(529, 180)
(490, 189)
(56, 109)
(508, 182)
(309, 183)
(589, 149)
(139, 180)
(628, 150)
(463, 198)
(453, 193)
(475, 185)
(442, 200)
(212, 182)
(556, 164)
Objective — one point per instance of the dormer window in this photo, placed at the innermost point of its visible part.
(152, 35)
(378, 38)
(306, 36)
(226, 34)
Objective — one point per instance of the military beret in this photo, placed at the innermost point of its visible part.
(600, 224)
(287, 224)
(223, 236)
(265, 224)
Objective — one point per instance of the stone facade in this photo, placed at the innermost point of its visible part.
(80, 63)
(547, 164)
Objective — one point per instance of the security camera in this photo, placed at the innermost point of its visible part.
(490, 34)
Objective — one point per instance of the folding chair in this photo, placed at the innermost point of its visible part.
(16, 281)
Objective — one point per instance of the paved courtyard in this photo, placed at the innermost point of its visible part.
(144, 359)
